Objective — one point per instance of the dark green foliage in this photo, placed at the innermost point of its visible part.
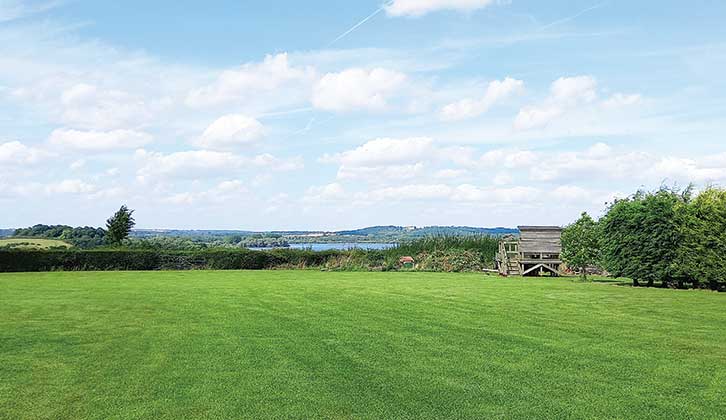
(703, 252)
(119, 225)
(124, 259)
(580, 244)
(82, 237)
(641, 236)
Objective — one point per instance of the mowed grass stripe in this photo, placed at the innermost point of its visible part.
(306, 344)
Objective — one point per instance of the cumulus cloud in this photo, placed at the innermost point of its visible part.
(384, 159)
(422, 7)
(98, 141)
(236, 85)
(574, 90)
(356, 88)
(203, 163)
(498, 90)
(231, 131)
(86, 106)
(320, 194)
(15, 152)
(565, 93)
(222, 192)
(385, 151)
(461, 193)
(449, 173)
(70, 186)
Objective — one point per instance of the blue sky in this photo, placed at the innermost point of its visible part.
(275, 115)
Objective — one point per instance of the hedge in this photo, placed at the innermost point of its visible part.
(107, 260)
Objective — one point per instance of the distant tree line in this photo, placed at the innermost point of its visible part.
(668, 237)
(117, 230)
(81, 237)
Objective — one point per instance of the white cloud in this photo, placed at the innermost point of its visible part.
(536, 116)
(384, 159)
(503, 178)
(510, 159)
(381, 173)
(17, 9)
(689, 170)
(571, 193)
(231, 131)
(201, 163)
(498, 90)
(77, 164)
(449, 173)
(98, 141)
(223, 192)
(330, 192)
(185, 164)
(384, 151)
(422, 7)
(462, 193)
(574, 90)
(15, 152)
(273, 73)
(86, 106)
(274, 163)
(70, 186)
(565, 93)
(354, 89)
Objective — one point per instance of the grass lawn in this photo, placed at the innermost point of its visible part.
(33, 243)
(306, 344)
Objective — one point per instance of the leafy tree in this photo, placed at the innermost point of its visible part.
(580, 244)
(704, 239)
(119, 225)
(641, 235)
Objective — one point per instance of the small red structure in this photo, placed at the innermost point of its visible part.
(406, 262)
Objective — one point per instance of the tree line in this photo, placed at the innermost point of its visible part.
(667, 237)
(118, 228)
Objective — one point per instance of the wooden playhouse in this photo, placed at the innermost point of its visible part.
(535, 252)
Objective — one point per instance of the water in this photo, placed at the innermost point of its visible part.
(336, 246)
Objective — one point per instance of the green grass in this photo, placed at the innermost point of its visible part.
(33, 243)
(306, 344)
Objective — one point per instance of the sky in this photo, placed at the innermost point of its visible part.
(334, 115)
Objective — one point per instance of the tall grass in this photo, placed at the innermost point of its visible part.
(484, 244)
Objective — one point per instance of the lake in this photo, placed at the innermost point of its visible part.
(336, 246)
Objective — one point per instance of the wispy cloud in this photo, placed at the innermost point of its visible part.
(18, 9)
(575, 16)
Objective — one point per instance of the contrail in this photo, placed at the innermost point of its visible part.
(344, 34)
(575, 16)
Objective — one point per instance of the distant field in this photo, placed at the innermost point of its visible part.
(307, 344)
(33, 243)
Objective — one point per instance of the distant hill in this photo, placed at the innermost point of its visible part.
(427, 231)
(389, 234)
(6, 232)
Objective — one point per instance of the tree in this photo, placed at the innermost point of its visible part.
(641, 236)
(580, 244)
(119, 225)
(704, 239)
